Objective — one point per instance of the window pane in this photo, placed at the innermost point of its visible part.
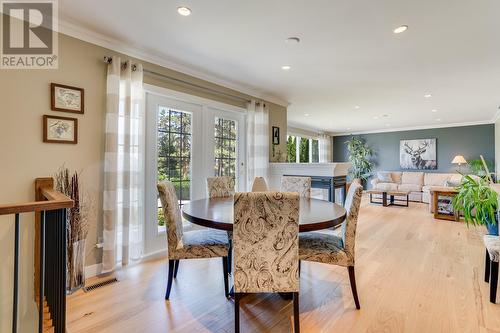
(304, 150)
(174, 152)
(315, 151)
(291, 149)
(225, 152)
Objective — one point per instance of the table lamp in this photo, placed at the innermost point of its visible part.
(459, 159)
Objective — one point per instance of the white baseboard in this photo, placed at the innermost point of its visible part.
(93, 270)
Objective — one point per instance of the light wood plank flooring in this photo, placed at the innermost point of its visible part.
(414, 274)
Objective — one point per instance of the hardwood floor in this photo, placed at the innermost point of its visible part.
(414, 274)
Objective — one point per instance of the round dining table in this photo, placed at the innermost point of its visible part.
(217, 213)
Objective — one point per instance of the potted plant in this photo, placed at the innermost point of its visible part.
(478, 202)
(477, 168)
(359, 154)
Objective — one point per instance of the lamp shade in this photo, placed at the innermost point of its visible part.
(459, 159)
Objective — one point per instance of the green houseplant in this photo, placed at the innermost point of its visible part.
(476, 167)
(359, 154)
(478, 202)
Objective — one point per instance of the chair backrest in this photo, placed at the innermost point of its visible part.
(301, 185)
(172, 214)
(352, 203)
(265, 242)
(259, 185)
(220, 187)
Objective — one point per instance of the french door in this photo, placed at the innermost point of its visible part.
(186, 143)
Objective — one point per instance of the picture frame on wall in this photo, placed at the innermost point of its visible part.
(66, 98)
(418, 154)
(276, 135)
(60, 129)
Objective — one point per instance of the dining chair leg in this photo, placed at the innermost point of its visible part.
(352, 280)
(177, 262)
(229, 256)
(171, 264)
(300, 266)
(296, 322)
(487, 264)
(236, 312)
(226, 282)
(493, 281)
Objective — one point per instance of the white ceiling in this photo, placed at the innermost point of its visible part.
(348, 54)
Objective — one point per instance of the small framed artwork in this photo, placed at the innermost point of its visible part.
(60, 129)
(276, 135)
(66, 98)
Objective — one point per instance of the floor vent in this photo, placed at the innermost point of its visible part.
(100, 284)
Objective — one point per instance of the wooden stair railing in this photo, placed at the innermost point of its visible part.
(50, 251)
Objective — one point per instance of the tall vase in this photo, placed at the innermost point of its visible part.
(76, 267)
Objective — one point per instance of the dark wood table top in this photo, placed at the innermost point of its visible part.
(217, 213)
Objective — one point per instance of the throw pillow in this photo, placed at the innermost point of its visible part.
(384, 177)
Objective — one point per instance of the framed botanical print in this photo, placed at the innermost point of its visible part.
(66, 98)
(60, 129)
(276, 135)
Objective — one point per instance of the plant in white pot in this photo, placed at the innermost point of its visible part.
(478, 202)
(359, 154)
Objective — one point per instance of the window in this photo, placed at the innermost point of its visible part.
(174, 153)
(291, 148)
(225, 152)
(302, 149)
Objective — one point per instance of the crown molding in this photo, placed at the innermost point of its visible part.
(496, 116)
(96, 38)
(414, 128)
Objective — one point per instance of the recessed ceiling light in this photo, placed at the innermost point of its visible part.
(434, 110)
(400, 29)
(375, 117)
(292, 40)
(306, 114)
(438, 119)
(286, 67)
(184, 11)
(356, 107)
(428, 95)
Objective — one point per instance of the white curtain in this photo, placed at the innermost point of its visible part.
(257, 142)
(325, 149)
(123, 196)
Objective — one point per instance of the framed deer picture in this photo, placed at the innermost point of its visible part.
(419, 154)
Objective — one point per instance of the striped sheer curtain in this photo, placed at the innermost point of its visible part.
(325, 148)
(123, 195)
(257, 142)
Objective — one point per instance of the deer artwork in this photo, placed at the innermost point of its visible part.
(416, 157)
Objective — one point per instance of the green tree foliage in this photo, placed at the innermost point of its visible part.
(304, 150)
(291, 149)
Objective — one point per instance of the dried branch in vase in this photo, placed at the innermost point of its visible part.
(77, 225)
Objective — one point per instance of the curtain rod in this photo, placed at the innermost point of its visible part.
(109, 60)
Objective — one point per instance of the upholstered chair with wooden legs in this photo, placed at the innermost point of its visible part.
(492, 244)
(197, 244)
(301, 185)
(220, 187)
(332, 249)
(259, 185)
(265, 242)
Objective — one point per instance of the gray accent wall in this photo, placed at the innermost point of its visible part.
(469, 141)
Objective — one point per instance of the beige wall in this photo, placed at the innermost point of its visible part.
(25, 97)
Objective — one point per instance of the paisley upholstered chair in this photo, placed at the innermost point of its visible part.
(332, 249)
(195, 244)
(265, 240)
(220, 187)
(302, 185)
(492, 244)
(259, 185)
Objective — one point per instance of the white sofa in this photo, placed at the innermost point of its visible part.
(418, 183)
